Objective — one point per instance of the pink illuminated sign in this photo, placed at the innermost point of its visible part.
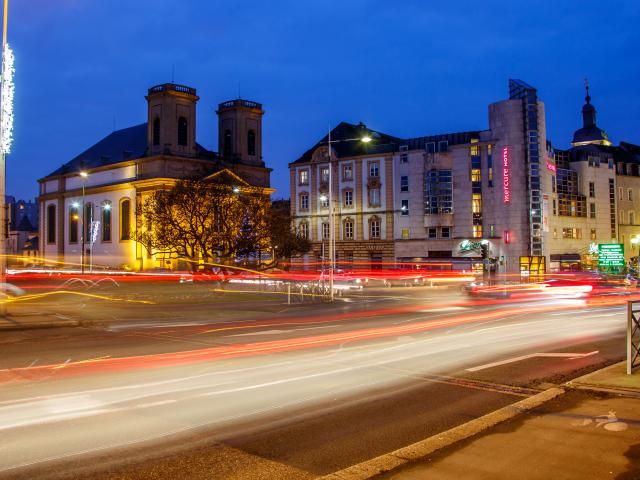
(506, 184)
(551, 167)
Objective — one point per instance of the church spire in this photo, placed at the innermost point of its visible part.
(588, 110)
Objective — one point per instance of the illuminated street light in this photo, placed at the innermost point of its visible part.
(236, 190)
(84, 174)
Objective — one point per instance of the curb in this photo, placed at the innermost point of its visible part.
(390, 461)
(33, 326)
(623, 392)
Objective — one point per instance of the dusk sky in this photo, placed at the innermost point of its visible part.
(404, 67)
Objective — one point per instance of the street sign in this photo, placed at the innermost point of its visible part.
(611, 255)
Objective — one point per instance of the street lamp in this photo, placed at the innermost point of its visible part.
(83, 176)
(332, 237)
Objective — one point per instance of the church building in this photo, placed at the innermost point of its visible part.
(88, 205)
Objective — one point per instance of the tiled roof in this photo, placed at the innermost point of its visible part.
(119, 146)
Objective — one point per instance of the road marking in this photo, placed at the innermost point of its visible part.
(571, 356)
(443, 309)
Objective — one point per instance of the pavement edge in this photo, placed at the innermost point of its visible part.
(390, 461)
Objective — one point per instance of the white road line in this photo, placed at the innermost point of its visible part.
(572, 355)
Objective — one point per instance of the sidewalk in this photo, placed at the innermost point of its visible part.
(590, 432)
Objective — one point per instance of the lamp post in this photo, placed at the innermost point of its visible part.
(332, 235)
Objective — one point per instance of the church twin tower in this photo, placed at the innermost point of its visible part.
(171, 126)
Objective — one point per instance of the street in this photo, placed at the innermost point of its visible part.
(254, 385)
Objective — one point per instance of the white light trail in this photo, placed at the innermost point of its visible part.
(6, 100)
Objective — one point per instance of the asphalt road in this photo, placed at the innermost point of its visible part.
(240, 385)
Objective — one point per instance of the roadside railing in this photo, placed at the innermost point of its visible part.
(633, 335)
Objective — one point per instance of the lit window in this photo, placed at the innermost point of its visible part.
(348, 198)
(405, 233)
(374, 228)
(404, 208)
(593, 234)
(348, 229)
(404, 183)
(304, 202)
(477, 231)
(303, 177)
(476, 203)
(374, 170)
(476, 176)
(324, 175)
(347, 172)
(324, 201)
(325, 230)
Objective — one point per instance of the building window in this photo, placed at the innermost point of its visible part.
(443, 146)
(106, 222)
(324, 201)
(632, 218)
(572, 233)
(611, 163)
(620, 193)
(304, 201)
(303, 229)
(438, 192)
(490, 165)
(182, 131)
(630, 195)
(404, 183)
(226, 151)
(303, 177)
(348, 229)
(555, 207)
(347, 172)
(445, 232)
(125, 219)
(324, 175)
(621, 216)
(156, 131)
(592, 210)
(592, 189)
(405, 234)
(477, 231)
(476, 203)
(325, 230)
(404, 158)
(51, 224)
(432, 232)
(374, 228)
(593, 234)
(374, 169)
(374, 197)
(404, 207)
(555, 233)
(74, 219)
(348, 198)
(251, 143)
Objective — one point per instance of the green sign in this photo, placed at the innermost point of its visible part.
(610, 255)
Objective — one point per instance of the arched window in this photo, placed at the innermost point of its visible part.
(182, 131)
(51, 224)
(156, 131)
(125, 219)
(106, 221)
(74, 218)
(251, 142)
(226, 151)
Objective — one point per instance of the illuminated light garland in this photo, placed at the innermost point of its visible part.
(6, 100)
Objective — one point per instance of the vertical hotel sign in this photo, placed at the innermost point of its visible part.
(506, 184)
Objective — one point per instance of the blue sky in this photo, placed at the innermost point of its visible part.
(405, 67)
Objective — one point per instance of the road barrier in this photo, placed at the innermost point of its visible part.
(633, 335)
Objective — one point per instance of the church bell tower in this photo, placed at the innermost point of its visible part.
(240, 132)
(171, 127)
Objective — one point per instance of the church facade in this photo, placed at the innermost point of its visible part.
(88, 205)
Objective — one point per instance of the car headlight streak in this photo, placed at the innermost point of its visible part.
(6, 100)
